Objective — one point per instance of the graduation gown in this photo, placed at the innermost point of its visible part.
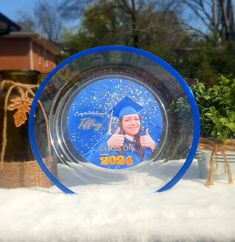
(124, 157)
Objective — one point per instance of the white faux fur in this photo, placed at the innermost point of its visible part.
(128, 211)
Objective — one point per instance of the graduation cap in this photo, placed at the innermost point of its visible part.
(125, 107)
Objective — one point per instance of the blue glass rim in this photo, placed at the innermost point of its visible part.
(158, 60)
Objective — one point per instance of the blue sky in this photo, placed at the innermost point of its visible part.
(11, 8)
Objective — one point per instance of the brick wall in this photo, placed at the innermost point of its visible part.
(24, 54)
(14, 54)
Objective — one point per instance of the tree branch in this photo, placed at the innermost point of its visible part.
(196, 9)
(195, 29)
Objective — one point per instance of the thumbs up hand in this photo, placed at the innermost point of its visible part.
(116, 140)
(146, 141)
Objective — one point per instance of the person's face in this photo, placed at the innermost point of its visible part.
(131, 124)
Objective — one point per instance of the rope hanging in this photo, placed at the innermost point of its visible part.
(21, 103)
(217, 147)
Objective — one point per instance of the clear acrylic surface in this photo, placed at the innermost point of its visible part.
(77, 115)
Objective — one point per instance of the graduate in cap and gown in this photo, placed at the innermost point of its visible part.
(127, 146)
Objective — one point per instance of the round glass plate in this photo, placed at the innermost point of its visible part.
(108, 114)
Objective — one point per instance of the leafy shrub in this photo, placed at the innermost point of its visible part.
(217, 108)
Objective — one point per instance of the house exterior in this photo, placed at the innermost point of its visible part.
(7, 25)
(27, 51)
(25, 58)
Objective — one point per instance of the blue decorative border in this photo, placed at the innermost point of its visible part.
(146, 54)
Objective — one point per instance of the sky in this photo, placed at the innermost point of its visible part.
(11, 8)
(14, 9)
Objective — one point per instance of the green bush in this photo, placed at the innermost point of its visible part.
(217, 108)
(206, 61)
